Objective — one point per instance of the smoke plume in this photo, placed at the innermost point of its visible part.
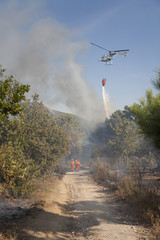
(42, 52)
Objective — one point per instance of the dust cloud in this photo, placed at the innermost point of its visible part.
(42, 52)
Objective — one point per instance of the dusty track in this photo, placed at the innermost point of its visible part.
(79, 209)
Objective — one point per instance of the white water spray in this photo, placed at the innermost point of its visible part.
(106, 102)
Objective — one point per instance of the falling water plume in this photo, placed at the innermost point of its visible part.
(106, 102)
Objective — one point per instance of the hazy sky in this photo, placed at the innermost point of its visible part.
(46, 43)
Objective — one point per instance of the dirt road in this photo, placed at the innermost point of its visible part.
(80, 209)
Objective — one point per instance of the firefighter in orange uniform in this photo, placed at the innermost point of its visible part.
(72, 165)
(77, 165)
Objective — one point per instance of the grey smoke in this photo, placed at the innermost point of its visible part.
(42, 52)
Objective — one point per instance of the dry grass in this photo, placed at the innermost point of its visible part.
(144, 200)
(103, 176)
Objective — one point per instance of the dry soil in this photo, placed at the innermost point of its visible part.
(78, 208)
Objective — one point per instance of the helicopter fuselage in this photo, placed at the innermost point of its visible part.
(106, 58)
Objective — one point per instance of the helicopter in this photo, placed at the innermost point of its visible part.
(108, 57)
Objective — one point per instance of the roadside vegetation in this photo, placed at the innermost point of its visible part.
(32, 142)
(126, 156)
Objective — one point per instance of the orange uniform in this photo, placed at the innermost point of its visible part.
(77, 165)
(72, 165)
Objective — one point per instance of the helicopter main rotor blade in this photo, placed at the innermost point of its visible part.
(124, 50)
(100, 47)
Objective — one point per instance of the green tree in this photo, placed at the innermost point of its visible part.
(147, 114)
(11, 94)
(74, 130)
(45, 141)
(119, 142)
(156, 82)
(31, 144)
(124, 140)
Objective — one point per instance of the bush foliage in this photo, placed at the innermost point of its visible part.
(31, 141)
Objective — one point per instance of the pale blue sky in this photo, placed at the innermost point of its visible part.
(117, 24)
(112, 24)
